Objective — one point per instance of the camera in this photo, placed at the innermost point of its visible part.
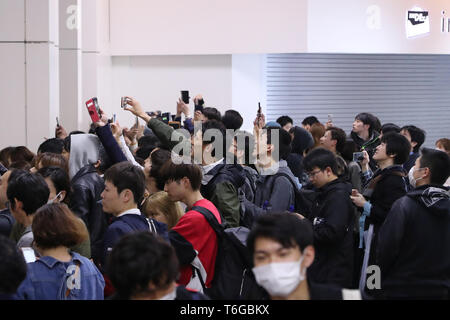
(358, 156)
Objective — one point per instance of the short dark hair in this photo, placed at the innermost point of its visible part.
(13, 268)
(60, 179)
(232, 120)
(310, 120)
(212, 114)
(397, 144)
(249, 144)
(320, 158)
(439, 164)
(339, 135)
(56, 225)
(53, 145)
(349, 148)
(125, 175)
(105, 161)
(149, 140)
(367, 118)
(417, 135)
(159, 158)
(217, 125)
(30, 189)
(144, 151)
(175, 172)
(22, 153)
(283, 145)
(390, 127)
(139, 259)
(286, 228)
(284, 120)
(303, 140)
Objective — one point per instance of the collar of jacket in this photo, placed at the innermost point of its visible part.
(338, 183)
(85, 170)
(389, 170)
(51, 262)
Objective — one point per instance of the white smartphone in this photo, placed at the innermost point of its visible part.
(330, 118)
(29, 254)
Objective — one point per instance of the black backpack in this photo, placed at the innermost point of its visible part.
(233, 277)
(305, 199)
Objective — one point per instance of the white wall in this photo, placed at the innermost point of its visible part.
(159, 27)
(156, 81)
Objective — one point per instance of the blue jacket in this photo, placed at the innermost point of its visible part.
(126, 224)
(51, 279)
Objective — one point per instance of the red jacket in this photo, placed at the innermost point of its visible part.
(195, 243)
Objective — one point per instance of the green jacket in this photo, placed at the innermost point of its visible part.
(223, 193)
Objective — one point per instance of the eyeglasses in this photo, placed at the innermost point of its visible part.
(313, 173)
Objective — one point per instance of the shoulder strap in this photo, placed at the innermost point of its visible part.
(209, 216)
(282, 174)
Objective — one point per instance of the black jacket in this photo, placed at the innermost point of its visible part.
(369, 146)
(6, 222)
(332, 219)
(414, 245)
(388, 189)
(87, 187)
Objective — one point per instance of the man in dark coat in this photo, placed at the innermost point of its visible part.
(414, 242)
(332, 218)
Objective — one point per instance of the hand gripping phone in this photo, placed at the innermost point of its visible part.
(93, 109)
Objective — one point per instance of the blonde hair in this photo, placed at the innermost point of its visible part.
(159, 203)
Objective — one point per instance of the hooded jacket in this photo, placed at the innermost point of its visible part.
(87, 187)
(414, 245)
(332, 219)
(220, 186)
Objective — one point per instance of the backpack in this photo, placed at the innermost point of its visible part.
(233, 277)
(305, 199)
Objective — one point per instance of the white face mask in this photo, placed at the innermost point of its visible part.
(412, 180)
(54, 199)
(279, 279)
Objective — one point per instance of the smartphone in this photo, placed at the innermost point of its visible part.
(259, 110)
(165, 117)
(123, 102)
(330, 118)
(185, 96)
(93, 109)
(28, 254)
(57, 122)
(358, 156)
(114, 118)
(136, 124)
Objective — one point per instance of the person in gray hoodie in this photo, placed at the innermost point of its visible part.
(275, 185)
(87, 160)
(414, 241)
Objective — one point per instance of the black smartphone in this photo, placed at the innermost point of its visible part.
(185, 96)
(57, 122)
(259, 110)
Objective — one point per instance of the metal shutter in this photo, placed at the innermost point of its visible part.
(403, 89)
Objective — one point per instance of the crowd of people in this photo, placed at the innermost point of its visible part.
(143, 213)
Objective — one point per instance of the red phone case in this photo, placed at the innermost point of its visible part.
(92, 110)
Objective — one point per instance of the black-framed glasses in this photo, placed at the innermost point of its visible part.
(313, 173)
